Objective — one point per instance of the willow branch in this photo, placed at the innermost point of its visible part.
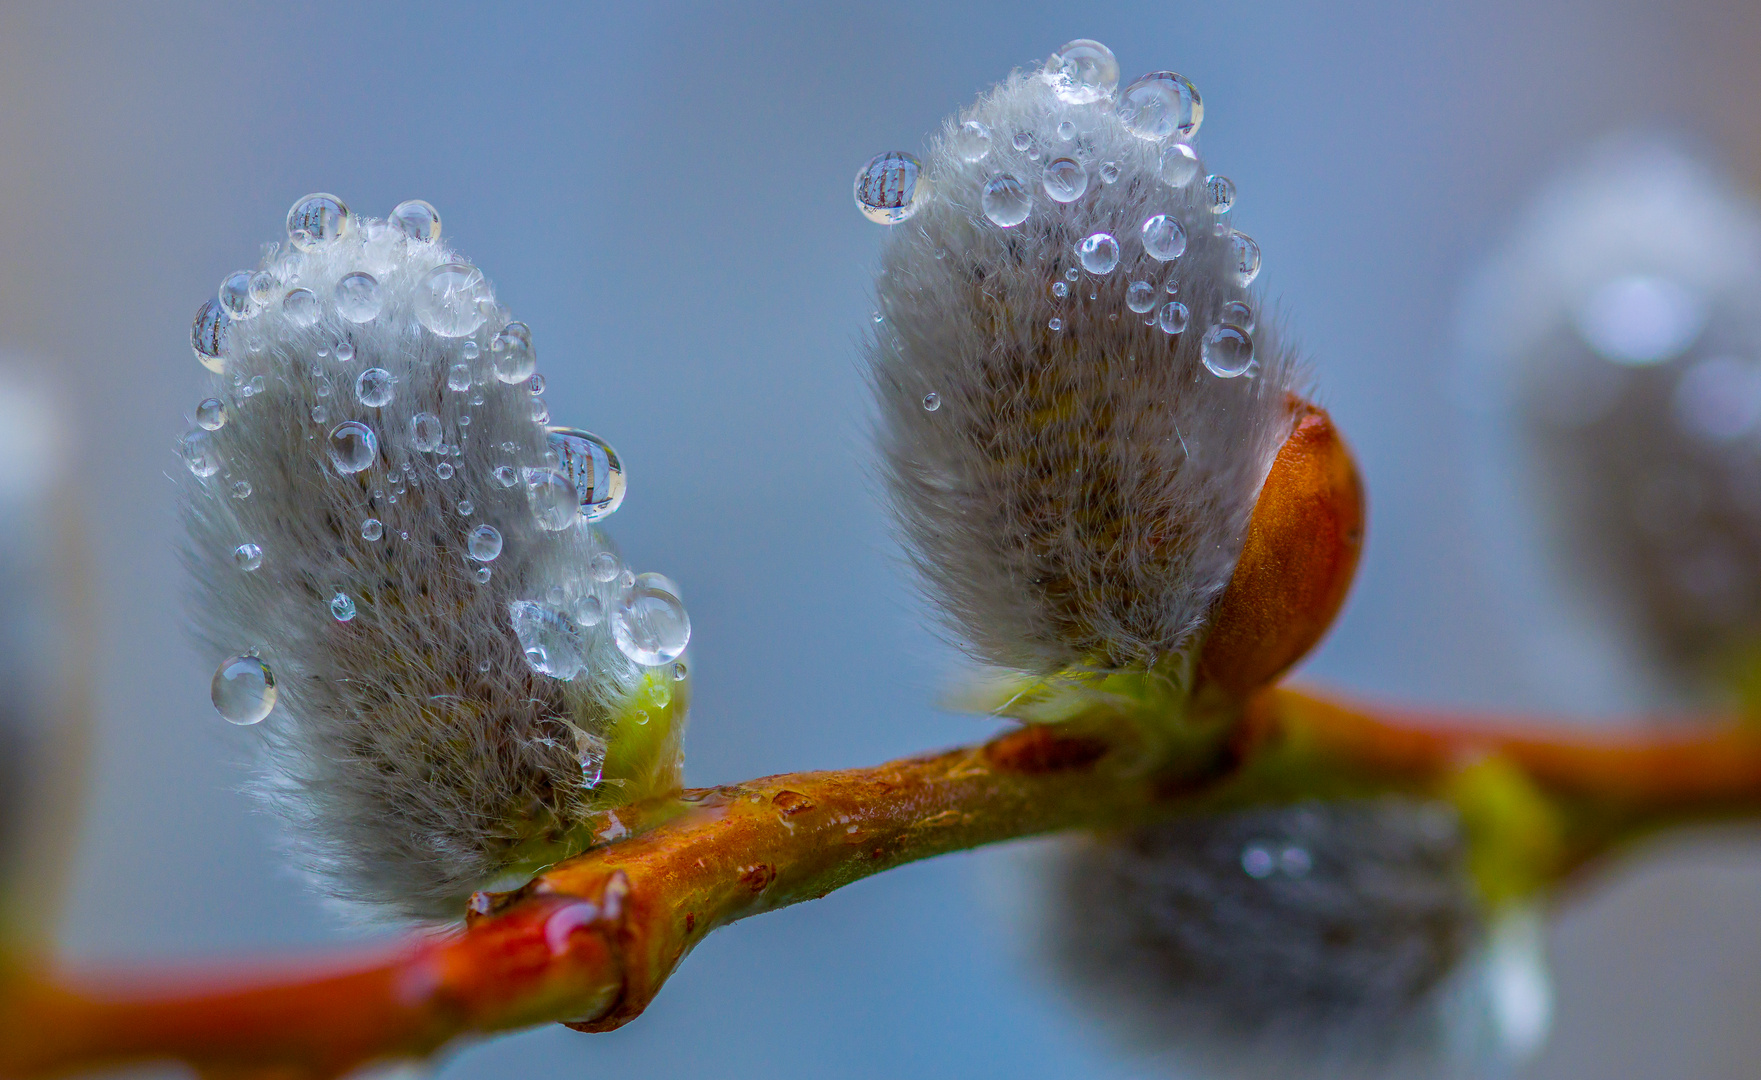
(591, 941)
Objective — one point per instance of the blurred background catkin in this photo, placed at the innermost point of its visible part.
(663, 193)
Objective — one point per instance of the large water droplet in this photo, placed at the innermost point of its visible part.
(553, 499)
(342, 607)
(353, 446)
(651, 626)
(243, 690)
(511, 354)
(373, 387)
(1006, 200)
(971, 141)
(316, 219)
(358, 297)
(550, 640)
(1172, 318)
(300, 306)
(425, 432)
(1228, 350)
(247, 557)
(1246, 255)
(452, 299)
(198, 452)
(593, 466)
(1161, 104)
(417, 220)
(484, 543)
(1065, 180)
(208, 334)
(1164, 238)
(890, 188)
(1219, 194)
(1083, 71)
(235, 295)
(1099, 252)
(1140, 296)
(211, 414)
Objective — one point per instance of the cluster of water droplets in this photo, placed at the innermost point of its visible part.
(476, 347)
(1164, 110)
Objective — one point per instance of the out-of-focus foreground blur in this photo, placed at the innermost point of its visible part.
(663, 193)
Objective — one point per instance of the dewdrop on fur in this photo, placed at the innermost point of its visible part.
(1077, 408)
(396, 555)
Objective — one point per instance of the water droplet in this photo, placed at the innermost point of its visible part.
(345, 351)
(971, 141)
(243, 690)
(316, 219)
(554, 596)
(1295, 862)
(1238, 313)
(590, 752)
(459, 377)
(1228, 351)
(358, 297)
(241, 489)
(319, 414)
(482, 575)
(1065, 180)
(425, 432)
(679, 672)
(444, 470)
(416, 219)
(452, 298)
(1083, 71)
(1161, 104)
(1172, 318)
(211, 414)
(372, 529)
(1246, 255)
(373, 387)
(1060, 289)
(198, 452)
(535, 385)
(353, 446)
(1072, 274)
(1055, 324)
(1179, 165)
(552, 497)
(235, 295)
(262, 287)
(208, 334)
(257, 385)
(1006, 200)
(1163, 237)
(469, 349)
(484, 543)
(932, 401)
(1021, 140)
(1109, 172)
(1066, 130)
(604, 566)
(1099, 252)
(247, 557)
(505, 475)
(511, 354)
(550, 640)
(540, 412)
(1258, 862)
(300, 306)
(651, 626)
(465, 507)
(342, 607)
(1140, 296)
(890, 187)
(589, 612)
(1219, 194)
(593, 466)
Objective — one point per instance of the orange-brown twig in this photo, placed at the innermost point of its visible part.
(591, 941)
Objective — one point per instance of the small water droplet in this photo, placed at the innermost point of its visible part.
(345, 351)
(604, 566)
(1295, 861)
(932, 401)
(235, 295)
(353, 446)
(1140, 296)
(1163, 237)
(211, 414)
(416, 219)
(549, 639)
(444, 470)
(1055, 324)
(262, 288)
(482, 575)
(247, 557)
(373, 387)
(243, 690)
(1064, 180)
(1099, 252)
(1227, 351)
(452, 298)
(1006, 200)
(425, 432)
(317, 219)
(589, 612)
(679, 672)
(372, 529)
(320, 414)
(594, 468)
(342, 607)
(1258, 862)
(358, 297)
(535, 385)
(484, 543)
(890, 187)
(198, 452)
(590, 752)
(241, 489)
(257, 385)
(651, 626)
(1172, 318)
(458, 379)
(1246, 254)
(469, 350)
(1219, 194)
(506, 476)
(540, 412)
(1179, 165)
(466, 507)
(1238, 313)
(1083, 71)
(971, 141)
(1161, 104)
(300, 306)
(552, 498)
(1066, 130)
(511, 355)
(208, 334)
(1109, 172)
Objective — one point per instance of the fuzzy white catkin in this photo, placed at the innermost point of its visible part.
(1080, 494)
(1612, 348)
(414, 751)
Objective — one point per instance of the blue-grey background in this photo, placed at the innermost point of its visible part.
(663, 192)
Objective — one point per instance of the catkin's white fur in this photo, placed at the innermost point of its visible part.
(1081, 494)
(413, 750)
